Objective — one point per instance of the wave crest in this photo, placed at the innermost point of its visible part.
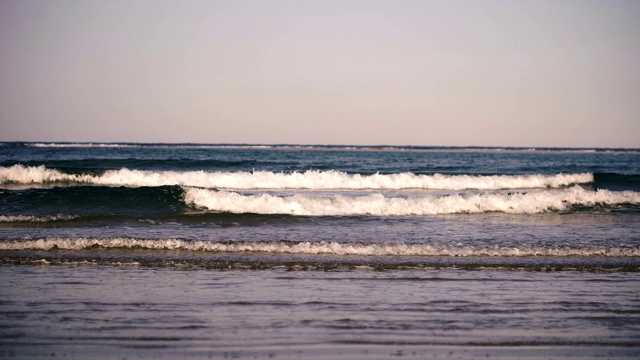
(35, 219)
(377, 204)
(311, 179)
(313, 248)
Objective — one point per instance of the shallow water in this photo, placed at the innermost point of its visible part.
(129, 311)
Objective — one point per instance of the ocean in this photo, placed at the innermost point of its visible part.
(128, 250)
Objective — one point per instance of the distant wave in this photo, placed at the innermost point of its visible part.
(312, 248)
(98, 165)
(81, 145)
(313, 180)
(316, 147)
(161, 146)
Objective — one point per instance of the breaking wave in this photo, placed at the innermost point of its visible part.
(314, 248)
(35, 219)
(312, 179)
(377, 204)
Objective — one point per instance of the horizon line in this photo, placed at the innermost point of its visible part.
(371, 146)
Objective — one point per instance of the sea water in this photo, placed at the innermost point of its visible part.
(191, 250)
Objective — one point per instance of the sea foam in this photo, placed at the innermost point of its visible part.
(311, 179)
(35, 219)
(317, 204)
(313, 248)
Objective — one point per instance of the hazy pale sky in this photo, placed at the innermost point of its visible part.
(488, 73)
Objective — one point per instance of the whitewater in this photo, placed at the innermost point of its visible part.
(323, 247)
(310, 179)
(377, 204)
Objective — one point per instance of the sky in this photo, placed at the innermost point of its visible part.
(397, 72)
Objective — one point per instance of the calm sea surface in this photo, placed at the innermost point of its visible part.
(249, 251)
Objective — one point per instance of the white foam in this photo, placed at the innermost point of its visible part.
(35, 219)
(312, 248)
(21, 174)
(314, 180)
(83, 145)
(316, 204)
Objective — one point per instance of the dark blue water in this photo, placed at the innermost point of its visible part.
(124, 250)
